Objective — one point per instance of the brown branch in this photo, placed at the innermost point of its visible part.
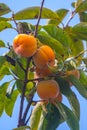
(70, 18)
(20, 121)
(39, 17)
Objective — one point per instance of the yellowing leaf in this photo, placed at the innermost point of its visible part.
(33, 12)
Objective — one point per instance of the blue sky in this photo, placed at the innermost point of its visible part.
(7, 123)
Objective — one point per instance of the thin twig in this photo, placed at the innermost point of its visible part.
(15, 22)
(70, 18)
(27, 108)
(81, 53)
(28, 118)
(39, 17)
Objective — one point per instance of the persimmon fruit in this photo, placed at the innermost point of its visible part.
(47, 89)
(43, 72)
(44, 56)
(25, 45)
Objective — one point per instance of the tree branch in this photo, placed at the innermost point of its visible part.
(20, 121)
(70, 18)
(39, 17)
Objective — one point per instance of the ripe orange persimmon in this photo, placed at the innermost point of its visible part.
(44, 56)
(25, 45)
(43, 72)
(48, 89)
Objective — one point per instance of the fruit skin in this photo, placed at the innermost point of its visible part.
(48, 89)
(43, 72)
(25, 45)
(44, 56)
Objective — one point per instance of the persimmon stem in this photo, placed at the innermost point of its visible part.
(39, 17)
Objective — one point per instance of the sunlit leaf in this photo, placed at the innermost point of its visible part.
(58, 34)
(80, 30)
(4, 9)
(2, 61)
(3, 19)
(19, 85)
(2, 44)
(61, 13)
(76, 46)
(48, 40)
(22, 128)
(4, 25)
(68, 115)
(81, 89)
(9, 103)
(3, 89)
(72, 98)
(35, 116)
(82, 6)
(4, 71)
(33, 12)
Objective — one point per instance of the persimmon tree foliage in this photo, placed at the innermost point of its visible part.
(56, 69)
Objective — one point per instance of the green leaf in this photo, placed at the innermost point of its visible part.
(33, 12)
(65, 89)
(84, 59)
(4, 25)
(48, 40)
(80, 30)
(61, 13)
(4, 71)
(35, 116)
(83, 16)
(23, 128)
(4, 9)
(81, 89)
(82, 6)
(76, 46)
(68, 115)
(18, 71)
(2, 61)
(58, 34)
(9, 103)
(19, 85)
(83, 79)
(2, 44)
(3, 89)
(52, 119)
(3, 19)
(25, 27)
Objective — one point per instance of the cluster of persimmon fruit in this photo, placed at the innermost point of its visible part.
(26, 46)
